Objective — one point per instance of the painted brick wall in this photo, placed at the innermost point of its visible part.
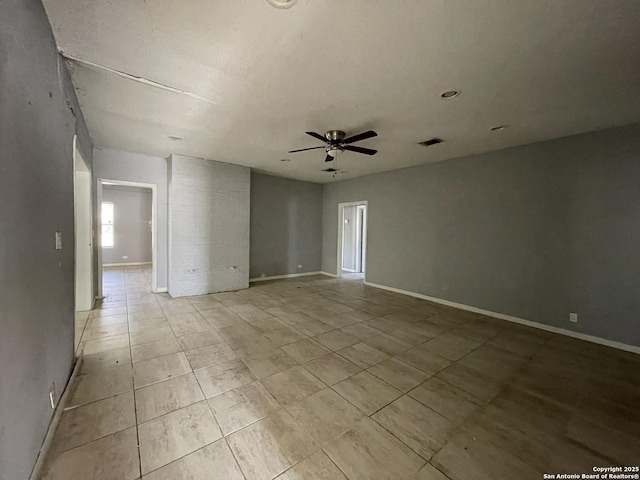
(208, 226)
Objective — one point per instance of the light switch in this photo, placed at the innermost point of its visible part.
(58, 240)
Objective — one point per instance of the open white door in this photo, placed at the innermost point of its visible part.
(83, 233)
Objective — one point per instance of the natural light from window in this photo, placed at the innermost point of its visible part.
(107, 225)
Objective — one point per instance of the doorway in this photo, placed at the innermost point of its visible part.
(127, 237)
(83, 233)
(352, 240)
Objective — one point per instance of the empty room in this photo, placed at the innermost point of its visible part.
(319, 240)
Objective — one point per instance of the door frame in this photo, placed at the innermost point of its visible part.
(85, 171)
(341, 235)
(154, 231)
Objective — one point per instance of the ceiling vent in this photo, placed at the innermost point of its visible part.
(433, 141)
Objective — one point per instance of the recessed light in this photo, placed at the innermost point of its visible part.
(450, 94)
(285, 159)
(498, 128)
(174, 137)
(282, 3)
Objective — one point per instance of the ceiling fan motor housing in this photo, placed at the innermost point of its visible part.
(335, 136)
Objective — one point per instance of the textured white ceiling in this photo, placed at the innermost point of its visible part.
(240, 81)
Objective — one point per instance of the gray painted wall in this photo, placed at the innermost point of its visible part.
(132, 224)
(286, 226)
(208, 226)
(133, 167)
(535, 232)
(39, 116)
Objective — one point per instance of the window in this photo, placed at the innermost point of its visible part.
(107, 225)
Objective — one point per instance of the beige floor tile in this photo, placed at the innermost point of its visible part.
(167, 396)
(447, 400)
(292, 385)
(177, 306)
(282, 444)
(107, 312)
(149, 335)
(223, 377)
(388, 344)
(165, 346)
(420, 428)
(465, 458)
(367, 392)
(93, 421)
(114, 457)
(242, 406)
(104, 344)
(188, 323)
(471, 381)
(89, 387)
(337, 340)
(314, 327)
(363, 355)
(368, 452)
(305, 350)
(147, 324)
(398, 374)
(332, 368)
(267, 363)
(448, 346)
(360, 330)
(221, 317)
(249, 313)
(158, 369)
(212, 461)
(175, 435)
(324, 415)
(284, 336)
(99, 322)
(250, 345)
(105, 331)
(268, 324)
(429, 472)
(210, 355)
(424, 360)
(315, 467)
(108, 359)
(197, 340)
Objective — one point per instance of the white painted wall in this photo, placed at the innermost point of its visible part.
(83, 233)
(208, 226)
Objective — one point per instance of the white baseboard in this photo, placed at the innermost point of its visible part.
(278, 277)
(132, 264)
(509, 318)
(329, 274)
(55, 420)
(161, 290)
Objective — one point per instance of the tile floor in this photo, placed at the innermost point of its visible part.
(320, 378)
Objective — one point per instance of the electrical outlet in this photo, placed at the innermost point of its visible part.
(52, 395)
(125, 257)
(58, 240)
(573, 317)
(299, 266)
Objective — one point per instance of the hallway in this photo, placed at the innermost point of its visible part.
(324, 378)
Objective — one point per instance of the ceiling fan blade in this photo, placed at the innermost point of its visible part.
(366, 151)
(329, 158)
(360, 136)
(305, 149)
(318, 136)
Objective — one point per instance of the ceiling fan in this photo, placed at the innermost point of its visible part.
(336, 143)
